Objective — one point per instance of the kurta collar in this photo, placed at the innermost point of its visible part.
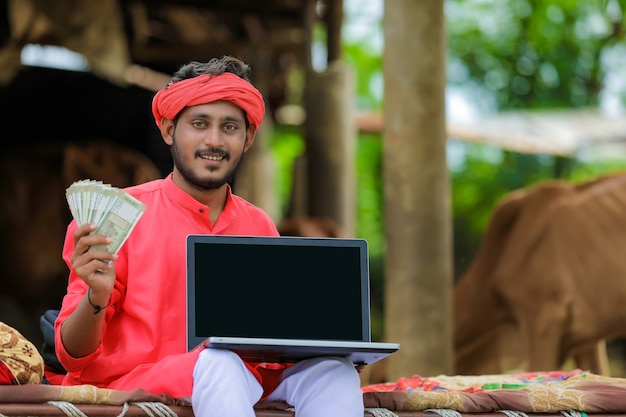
(181, 198)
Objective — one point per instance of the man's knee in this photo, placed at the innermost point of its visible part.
(335, 370)
(214, 360)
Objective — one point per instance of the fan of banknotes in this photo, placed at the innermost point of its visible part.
(114, 211)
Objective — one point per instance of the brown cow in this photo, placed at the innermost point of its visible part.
(34, 216)
(549, 281)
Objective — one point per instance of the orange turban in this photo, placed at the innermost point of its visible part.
(170, 101)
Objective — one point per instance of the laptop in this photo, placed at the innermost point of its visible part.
(281, 299)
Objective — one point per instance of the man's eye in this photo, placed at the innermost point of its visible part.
(198, 123)
(230, 127)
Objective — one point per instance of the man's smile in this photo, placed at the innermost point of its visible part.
(211, 156)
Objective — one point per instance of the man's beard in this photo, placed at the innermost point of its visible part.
(200, 183)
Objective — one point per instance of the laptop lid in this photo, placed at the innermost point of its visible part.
(277, 287)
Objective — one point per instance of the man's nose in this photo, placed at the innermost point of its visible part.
(213, 136)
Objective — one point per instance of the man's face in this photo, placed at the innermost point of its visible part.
(208, 142)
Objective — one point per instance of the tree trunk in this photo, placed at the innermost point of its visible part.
(330, 136)
(418, 261)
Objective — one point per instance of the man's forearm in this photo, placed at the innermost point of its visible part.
(81, 332)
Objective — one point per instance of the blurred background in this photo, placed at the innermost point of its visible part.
(535, 90)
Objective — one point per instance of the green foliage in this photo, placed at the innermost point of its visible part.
(533, 53)
(286, 144)
(584, 171)
(369, 192)
(368, 75)
(370, 219)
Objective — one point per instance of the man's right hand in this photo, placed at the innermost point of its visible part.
(95, 267)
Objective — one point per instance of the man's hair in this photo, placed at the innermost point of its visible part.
(215, 66)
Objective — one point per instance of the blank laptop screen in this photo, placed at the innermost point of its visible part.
(277, 287)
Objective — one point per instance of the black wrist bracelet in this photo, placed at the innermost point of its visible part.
(96, 308)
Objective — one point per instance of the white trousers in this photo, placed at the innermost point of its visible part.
(319, 387)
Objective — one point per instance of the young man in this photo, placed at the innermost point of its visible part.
(122, 322)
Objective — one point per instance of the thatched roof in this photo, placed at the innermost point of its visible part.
(130, 41)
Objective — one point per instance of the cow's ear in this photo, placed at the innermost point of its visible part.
(167, 131)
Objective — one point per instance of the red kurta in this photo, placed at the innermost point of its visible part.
(144, 341)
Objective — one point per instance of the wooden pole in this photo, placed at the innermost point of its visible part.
(330, 136)
(334, 20)
(418, 261)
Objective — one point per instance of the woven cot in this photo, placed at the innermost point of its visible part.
(563, 394)
(568, 394)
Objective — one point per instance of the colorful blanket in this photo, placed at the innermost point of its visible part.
(539, 392)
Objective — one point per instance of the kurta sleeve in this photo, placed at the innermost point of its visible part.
(75, 292)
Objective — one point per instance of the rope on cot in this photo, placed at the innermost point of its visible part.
(159, 409)
(444, 412)
(573, 413)
(69, 409)
(152, 409)
(512, 413)
(381, 412)
(124, 410)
